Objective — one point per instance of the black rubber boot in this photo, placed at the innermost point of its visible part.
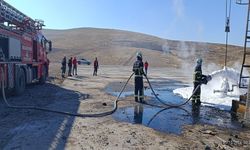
(193, 103)
(198, 102)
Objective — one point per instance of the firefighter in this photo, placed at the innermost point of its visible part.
(195, 114)
(64, 61)
(146, 67)
(198, 79)
(138, 70)
(96, 66)
(74, 66)
(70, 66)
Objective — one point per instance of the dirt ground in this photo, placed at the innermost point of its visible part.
(33, 129)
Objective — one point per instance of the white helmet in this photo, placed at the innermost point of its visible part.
(199, 61)
(138, 54)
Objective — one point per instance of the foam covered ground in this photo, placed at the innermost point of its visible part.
(217, 99)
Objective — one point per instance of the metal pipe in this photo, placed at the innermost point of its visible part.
(226, 49)
(229, 90)
(247, 111)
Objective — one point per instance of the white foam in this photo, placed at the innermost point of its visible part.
(219, 100)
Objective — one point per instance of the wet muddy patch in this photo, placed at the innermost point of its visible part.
(170, 120)
(114, 89)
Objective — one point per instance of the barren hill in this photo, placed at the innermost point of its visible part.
(117, 47)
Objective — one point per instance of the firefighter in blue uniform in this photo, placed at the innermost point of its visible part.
(198, 78)
(138, 70)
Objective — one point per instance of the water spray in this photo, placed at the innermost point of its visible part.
(225, 86)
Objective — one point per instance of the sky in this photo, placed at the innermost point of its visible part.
(188, 20)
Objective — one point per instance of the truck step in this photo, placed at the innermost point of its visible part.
(245, 77)
(247, 66)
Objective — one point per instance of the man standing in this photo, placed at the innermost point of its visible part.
(64, 61)
(146, 67)
(70, 66)
(138, 70)
(74, 66)
(197, 77)
(96, 66)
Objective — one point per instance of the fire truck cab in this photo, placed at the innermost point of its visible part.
(23, 49)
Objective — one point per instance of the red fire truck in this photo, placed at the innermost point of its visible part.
(23, 49)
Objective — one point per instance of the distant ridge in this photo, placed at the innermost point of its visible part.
(118, 47)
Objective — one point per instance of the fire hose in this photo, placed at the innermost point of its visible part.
(168, 104)
(101, 114)
(166, 108)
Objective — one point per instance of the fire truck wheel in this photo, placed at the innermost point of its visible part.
(20, 82)
(43, 78)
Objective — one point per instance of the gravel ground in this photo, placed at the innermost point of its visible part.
(33, 129)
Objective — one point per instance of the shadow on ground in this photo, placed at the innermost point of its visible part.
(34, 129)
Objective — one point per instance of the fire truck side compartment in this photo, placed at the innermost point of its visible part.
(14, 49)
(5, 46)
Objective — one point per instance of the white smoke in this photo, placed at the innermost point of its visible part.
(237, 66)
(166, 48)
(210, 67)
(181, 20)
(178, 7)
(185, 51)
(200, 30)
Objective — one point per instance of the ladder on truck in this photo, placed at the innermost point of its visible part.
(246, 51)
(13, 19)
